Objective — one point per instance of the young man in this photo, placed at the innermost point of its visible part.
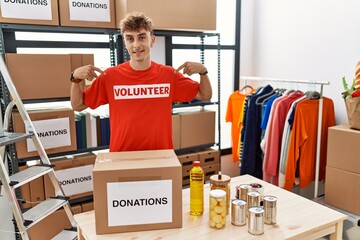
(139, 92)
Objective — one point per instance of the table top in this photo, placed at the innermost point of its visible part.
(297, 218)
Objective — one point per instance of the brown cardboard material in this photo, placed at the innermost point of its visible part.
(188, 15)
(341, 151)
(144, 168)
(37, 192)
(197, 128)
(66, 21)
(176, 131)
(342, 189)
(187, 161)
(25, 191)
(209, 157)
(87, 206)
(210, 170)
(53, 224)
(25, 20)
(74, 161)
(44, 76)
(21, 146)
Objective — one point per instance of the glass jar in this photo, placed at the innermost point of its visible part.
(217, 209)
(222, 182)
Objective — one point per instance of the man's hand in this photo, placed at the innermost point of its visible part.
(88, 72)
(190, 68)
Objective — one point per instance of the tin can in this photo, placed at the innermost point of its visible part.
(238, 212)
(217, 209)
(242, 191)
(253, 199)
(256, 221)
(222, 182)
(256, 187)
(270, 209)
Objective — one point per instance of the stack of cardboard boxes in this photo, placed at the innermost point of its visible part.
(107, 14)
(343, 169)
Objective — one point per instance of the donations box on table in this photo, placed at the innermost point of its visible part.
(137, 190)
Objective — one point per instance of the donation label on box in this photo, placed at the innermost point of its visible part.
(90, 10)
(76, 180)
(38, 10)
(53, 133)
(139, 202)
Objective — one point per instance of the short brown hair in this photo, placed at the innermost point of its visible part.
(135, 22)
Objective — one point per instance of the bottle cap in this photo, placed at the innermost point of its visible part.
(196, 163)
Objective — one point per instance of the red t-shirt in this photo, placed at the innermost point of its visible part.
(140, 104)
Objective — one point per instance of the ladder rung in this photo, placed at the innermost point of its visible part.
(43, 210)
(66, 235)
(10, 137)
(29, 174)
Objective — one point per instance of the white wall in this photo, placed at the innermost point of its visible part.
(302, 39)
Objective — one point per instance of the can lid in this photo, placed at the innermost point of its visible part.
(253, 194)
(256, 210)
(270, 198)
(196, 163)
(217, 193)
(238, 202)
(244, 186)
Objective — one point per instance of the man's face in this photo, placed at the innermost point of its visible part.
(138, 44)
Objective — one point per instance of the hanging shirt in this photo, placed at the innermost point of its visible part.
(273, 147)
(285, 143)
(251, 152)
(303, 141)
(140, 104)
(234, 114)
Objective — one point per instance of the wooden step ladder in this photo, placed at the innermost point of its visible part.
(9, 183)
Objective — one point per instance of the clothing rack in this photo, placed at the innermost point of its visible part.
(318, 143)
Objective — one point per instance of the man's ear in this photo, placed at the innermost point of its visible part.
(152, 40)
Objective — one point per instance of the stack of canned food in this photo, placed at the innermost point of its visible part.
(251, 206)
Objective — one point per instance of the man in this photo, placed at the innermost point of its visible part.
(139, 92)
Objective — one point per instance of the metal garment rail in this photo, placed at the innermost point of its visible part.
(318, 142)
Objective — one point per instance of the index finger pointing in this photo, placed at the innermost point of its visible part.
(98, 70)
(181, 67)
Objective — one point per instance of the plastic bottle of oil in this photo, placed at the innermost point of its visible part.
(196, 189)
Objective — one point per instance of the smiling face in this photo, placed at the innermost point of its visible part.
(138, 44)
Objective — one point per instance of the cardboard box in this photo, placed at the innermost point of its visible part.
(188, 15)
(87, 206)
(44, 76)
(342, 189)
(25, 191)
(209, 157)
(197, 128)
(55, 127)
(176, 131)
(44, 13)
(85, 13)
(50, 226)
(136, 191)
(37, 191)
(187, 161)
(74, 174)
(341, 150)
(210, 170)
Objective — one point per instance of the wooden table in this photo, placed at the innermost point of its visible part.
(297, 218)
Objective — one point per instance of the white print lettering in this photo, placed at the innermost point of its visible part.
(142, 91)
